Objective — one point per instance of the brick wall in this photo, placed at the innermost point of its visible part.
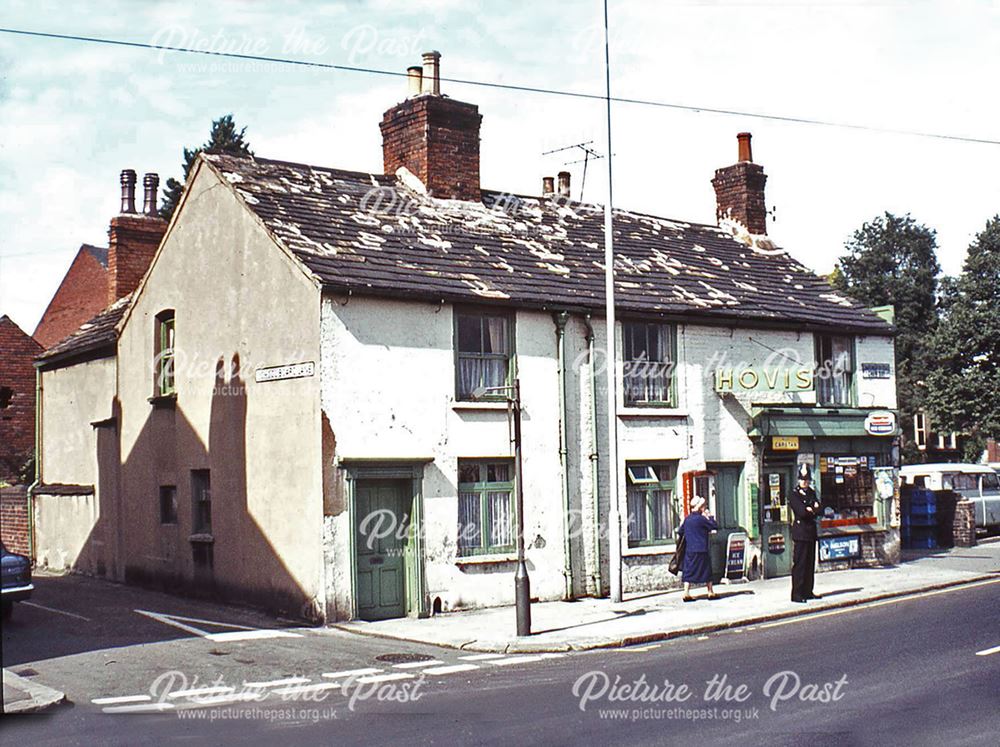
(437, 139)
(14, 519)
(739, 195)
(17, 398)
(964, 531)
(992, 450)
(82, 294)
(132, 242)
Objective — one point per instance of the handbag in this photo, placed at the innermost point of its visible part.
(675, 562)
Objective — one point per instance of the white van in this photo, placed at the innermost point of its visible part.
(977, 482)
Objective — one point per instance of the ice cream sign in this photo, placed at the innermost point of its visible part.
(765, 378)
(880, 423)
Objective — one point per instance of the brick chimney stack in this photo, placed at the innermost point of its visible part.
(436, 138)
(133, 237)
(739, 190)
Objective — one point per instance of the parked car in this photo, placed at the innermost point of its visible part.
(977, 482)
(16, 579)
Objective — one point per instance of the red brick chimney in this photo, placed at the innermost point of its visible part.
(133, 237)
(434, 137)
(739, 190)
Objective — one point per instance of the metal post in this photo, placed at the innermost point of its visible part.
(522, 584)
(611, 367)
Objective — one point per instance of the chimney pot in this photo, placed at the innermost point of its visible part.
(150, 185)
(128, 191)
(548, 186)
(745, 153)
(414, 77)
(431, 82)
(564, 184)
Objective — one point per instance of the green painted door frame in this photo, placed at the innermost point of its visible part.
(404, 479)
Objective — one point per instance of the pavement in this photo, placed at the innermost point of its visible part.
(588, 624)
(21, 695)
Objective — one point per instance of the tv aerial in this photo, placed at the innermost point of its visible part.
(588, 153)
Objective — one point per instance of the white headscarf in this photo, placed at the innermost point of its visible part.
(697, 504)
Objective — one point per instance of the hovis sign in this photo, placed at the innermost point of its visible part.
(750, 378)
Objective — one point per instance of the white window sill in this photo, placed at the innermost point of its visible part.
(473, 406)
(651, 412)
(669, 549)
(485, 559)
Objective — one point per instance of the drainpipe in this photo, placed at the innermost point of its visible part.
(560, 318)
(594, 457)
(38, 465)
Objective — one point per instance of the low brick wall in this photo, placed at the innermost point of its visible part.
(964, 527)
(14, 518)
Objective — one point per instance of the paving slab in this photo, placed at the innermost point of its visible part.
(654, 616)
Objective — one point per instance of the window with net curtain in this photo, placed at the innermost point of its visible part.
(485, 506)
(652, 515)
(484, 351)
(834, 369)
(648, 362)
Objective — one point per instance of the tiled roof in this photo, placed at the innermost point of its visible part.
(91, 337)
(372, 233)
(100, 253)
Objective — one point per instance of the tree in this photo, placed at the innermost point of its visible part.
(223, 138)
(963, 388)
(892, 260)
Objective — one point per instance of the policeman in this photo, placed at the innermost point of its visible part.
(806, 508)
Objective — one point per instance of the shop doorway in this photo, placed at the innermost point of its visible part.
(776, 533)
(384, 552)
(725, 504)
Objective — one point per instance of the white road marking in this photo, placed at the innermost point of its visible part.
(552, 656)
(140, 708)
(451, 669)
(989, 651)
(224, 699)
(38, 606)
(392, 676)
(199, 691)
(418, 664)
(122, 699)
(352, 672)
(251, 635)
(276, 683)
(481, 657)
(883, 602)
(637, 648)
(515, 660)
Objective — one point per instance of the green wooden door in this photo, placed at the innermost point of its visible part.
(381, 542)
(728, 479)
(776, 533)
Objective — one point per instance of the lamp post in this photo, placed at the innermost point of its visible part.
(522, 584)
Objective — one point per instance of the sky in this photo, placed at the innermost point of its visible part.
(74, 114)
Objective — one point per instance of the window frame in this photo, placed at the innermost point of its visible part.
(671, 362)
(198, 501)
(483, 487)
(164, 373)
(645, 487)
(820, 364)
(511, 358)
(170, 520)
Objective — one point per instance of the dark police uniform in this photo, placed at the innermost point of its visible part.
(806, 508)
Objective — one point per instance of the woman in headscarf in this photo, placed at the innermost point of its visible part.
(697, 568)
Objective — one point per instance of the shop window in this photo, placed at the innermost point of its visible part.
(201, 497)
(847, 484)
(647, 363)
(483, 344)
(485, 506)
(834, 370)
(163, 363)
(652, 513)
(168, 504)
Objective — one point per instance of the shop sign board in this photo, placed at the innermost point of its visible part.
(876, 370)
(765, 378)
(839, 548)
(880, 423)
(776, 544)
(736, 555)
(784, 443)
